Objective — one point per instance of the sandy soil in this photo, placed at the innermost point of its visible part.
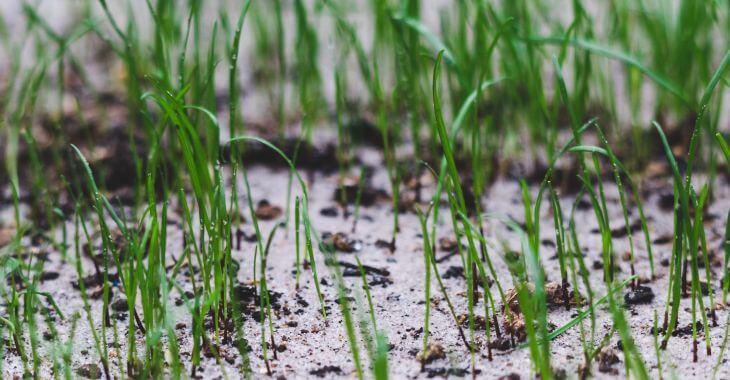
(312, 345)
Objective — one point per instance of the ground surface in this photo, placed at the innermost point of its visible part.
(311, 346)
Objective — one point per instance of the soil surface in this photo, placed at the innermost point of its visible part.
(310, 346)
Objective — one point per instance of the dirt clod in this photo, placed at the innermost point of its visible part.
(120, 304)
(434, 351)
(447, 244)
(606, 358)
(501, 343)
(326, 370)
(447, 372)
(555, 295)
(267, 211)
(515, 326)
(479, 322)
(454, 272)
(640, 295)
(341, 242)
(330, 212)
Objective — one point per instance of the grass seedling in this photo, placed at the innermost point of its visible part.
(358, 198)
(297, 224)
(426, 281)
(432, 260)
(458, 205)
(304, 211)
(388, 152)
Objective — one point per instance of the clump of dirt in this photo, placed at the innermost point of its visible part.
(686, 330)
(453, 272)
(349, 186)
(327, 370)
(341, 242)
(434, 351)
(480, 323)
(514, 325)
(555, 295)
(502, 343)
(606, 358)
(249, 299)
(267, 211)
(638, 295)
(448, 372)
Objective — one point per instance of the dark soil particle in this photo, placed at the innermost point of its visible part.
(120, 304)
(379, 277)
(93, 280)
(325, 370)
(329, 212)
(622, 231)
(509, 376)
(666, 201)
(301, 301)
(664, 239)
(49, 276)
(348, 187)
(367, 268)
(501, 344)
(446, 257)
(547, 243)
(454, 272)
(380, 281)
(687, 330)
(248, 297)
(639, 295)
(380, 243)
(448, 372)
(349, 300)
